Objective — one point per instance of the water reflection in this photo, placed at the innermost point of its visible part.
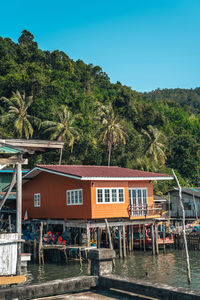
(169, 268)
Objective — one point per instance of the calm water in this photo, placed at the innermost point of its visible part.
(169, 268)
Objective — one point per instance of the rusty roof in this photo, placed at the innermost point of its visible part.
(85, 171)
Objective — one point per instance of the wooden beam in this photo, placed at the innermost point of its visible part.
(12, 279)
(13, 160)
(19, 213)
(33, 143)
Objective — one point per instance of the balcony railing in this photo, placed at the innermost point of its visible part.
(145, 210)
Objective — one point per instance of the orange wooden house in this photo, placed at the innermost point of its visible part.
(89, 192)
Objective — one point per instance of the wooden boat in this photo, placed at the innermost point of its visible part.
(138, 241)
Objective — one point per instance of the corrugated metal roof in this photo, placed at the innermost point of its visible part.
(189, 190)
(101, 171)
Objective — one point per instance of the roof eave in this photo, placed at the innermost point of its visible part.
(127, 178)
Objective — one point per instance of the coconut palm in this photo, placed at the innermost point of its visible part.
(155, 149)
(63, 129)
(18, 106)
(111, 131)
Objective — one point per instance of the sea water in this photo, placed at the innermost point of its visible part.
(169, 268)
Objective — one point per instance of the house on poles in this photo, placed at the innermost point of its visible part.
(80, 192)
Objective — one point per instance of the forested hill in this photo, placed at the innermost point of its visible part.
(100, 122)
(188, 98)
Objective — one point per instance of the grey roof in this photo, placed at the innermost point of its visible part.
(189, 190)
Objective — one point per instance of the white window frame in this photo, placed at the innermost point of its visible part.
(37, 200)
(110, 195)
(137, 203)
(74, 193)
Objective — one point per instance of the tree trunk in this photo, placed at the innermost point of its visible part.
(61, 153)
(109, 152)
(184, 234)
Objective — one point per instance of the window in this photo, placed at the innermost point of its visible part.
(110, 195)
(36, 200)
(74, 197)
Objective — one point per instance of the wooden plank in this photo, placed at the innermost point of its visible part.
(13, 160)
(12, 279)
(33, 143)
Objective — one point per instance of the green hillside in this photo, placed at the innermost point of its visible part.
(77, 103)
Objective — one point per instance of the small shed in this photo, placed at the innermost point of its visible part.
(190, 198)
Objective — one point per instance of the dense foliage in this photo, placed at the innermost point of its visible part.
(162, 128)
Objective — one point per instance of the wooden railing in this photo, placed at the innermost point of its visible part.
(146, 210)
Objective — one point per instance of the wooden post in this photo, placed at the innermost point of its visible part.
(156, 239)
(124, 240)
(169, 206)
(164, 238)
(184, 234)
(152, 239)
(41, 252)
(129, 238)
(88, 234)
(9, 224)
(109, 235)
(195, 207)
(144, 237)
(132, 237)
(99, 234)
(34, 249)
(140, 236)
(120, 241)
(64, 228)
(19, 212)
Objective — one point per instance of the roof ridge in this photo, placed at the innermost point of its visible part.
(95, 166)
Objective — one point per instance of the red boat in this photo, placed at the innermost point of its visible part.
(138, 241)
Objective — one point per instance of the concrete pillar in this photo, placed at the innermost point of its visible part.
(101, 261)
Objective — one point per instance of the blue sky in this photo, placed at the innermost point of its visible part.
(145, 44)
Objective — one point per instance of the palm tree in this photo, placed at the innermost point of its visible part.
(155, 146)
(111, 131)
(64, 129)
(17, 113)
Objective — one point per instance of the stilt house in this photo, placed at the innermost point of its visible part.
(89, 192)
(191, 202)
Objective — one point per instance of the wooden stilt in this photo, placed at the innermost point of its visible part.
(109, 234)
(156, 239)
(34, 249)
(88, 235)
(40, 251)
(79, 236)
(140, 236)
(120, 241)
(132, 232)
(129, 238)
(80, 258)
(164, 238)
(152, 239)
(65, 255)
(124, 240)
(10, 224)
(144, 246)
(99, 234)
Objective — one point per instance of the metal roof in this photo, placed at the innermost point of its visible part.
(83, 172)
